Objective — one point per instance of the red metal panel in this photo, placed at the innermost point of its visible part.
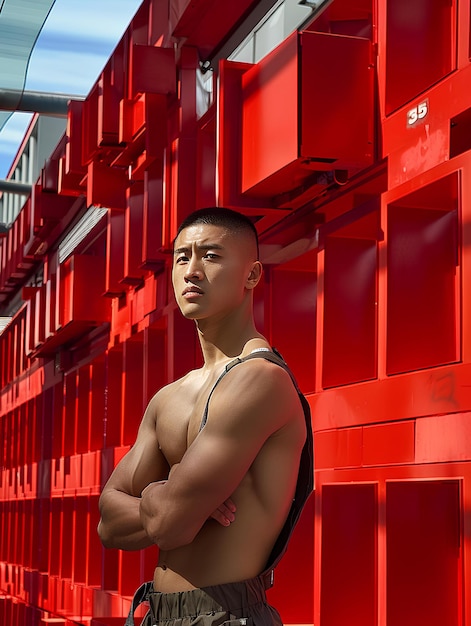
(230, 131)
(350, 296)
(72, 170)
(349, 522)
(81, 529)
(29, 295)
(50, 175)
(155, 361)
(66, 535)
(115, 234)
(153, 216)
(97, 404)
(14, 262)
(133, 398)
(93, 570)
(131, 122)
(113, 411)
(158, 20)
(50, 322)
(206, 160)
(294, 575)
(299, 279)
(129, 563)
(54, 417)
(110, 93)
(152, 70)
(90, 464)
(443, 438)
(72, 475)
(133, 274)
(83, 412)
(389, 444)
(417, 57)
(420, 393)
(283, 145)
(143, 126)
(182, 193)
(109, 581)
(82, 282)
(270, 134)
(106, 186)
(422, 260)
(184, 352)
(424, 552)
(338, 448)
(40, 317)
(329, 131)
(90, 125)
(45, 207)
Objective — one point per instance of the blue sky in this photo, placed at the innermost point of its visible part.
(75, 43)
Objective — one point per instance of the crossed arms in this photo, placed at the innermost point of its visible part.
(145, 503)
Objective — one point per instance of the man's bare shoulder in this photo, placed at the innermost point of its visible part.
(258, 386)
(262, 376)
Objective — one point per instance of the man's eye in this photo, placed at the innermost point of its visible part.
(181, 259)
(211, 255)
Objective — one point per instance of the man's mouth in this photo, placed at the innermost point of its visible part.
(192, 290)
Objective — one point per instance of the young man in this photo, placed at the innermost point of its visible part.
(222, 464)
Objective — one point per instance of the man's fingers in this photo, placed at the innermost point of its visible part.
(225, 513)
(230, 505)
(220, 518)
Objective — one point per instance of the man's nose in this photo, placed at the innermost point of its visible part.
(193, 269)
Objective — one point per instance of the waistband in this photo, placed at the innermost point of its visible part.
(235, 598)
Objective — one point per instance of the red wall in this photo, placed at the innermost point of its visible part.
(349, 145)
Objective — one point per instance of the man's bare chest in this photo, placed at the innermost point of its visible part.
(181, 414)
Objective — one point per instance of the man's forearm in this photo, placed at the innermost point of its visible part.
(160, 517)
(165, 525)
(120, 525)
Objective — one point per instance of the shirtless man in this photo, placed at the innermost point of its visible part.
(213, 493)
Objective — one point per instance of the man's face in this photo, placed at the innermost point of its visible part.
(210, 273)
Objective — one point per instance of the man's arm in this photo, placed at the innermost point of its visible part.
(120, 524)
(253, 402)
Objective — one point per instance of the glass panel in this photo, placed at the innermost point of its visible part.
(17, 39)
(287, 16)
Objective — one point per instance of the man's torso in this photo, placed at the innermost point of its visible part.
(221, 554)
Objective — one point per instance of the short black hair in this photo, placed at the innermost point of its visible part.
(221, 216)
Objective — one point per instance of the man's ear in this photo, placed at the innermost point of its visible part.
(255, 275)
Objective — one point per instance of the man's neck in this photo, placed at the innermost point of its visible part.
(227, 339)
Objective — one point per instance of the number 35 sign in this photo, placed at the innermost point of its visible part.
(417, 114)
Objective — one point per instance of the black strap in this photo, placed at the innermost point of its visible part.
(141, 595)
(270, 355)
(305, 483)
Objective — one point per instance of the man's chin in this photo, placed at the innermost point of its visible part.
(191, 313)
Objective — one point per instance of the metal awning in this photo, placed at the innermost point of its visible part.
(21, 21)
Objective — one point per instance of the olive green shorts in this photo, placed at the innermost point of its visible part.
(232, 604)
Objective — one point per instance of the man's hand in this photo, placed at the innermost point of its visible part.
(224, 514)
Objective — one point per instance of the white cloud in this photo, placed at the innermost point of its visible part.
(74, 45)
(89, 17)
(67, 72)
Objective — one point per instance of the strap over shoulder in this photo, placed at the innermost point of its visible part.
(305, 482)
